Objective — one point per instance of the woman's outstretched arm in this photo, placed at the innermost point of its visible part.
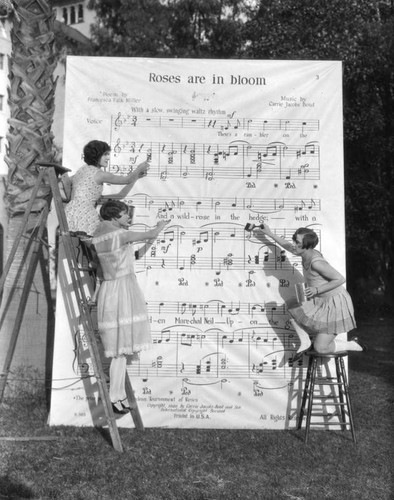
(265, 230)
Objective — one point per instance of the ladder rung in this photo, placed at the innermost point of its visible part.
(327, 415)
(325, 396)
(329, 403)
(87, 269)
(40, 240)
(323, 382)
(330, 423)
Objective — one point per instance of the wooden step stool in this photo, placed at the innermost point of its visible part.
(338, 397)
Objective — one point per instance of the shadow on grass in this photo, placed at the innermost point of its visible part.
(11, 490)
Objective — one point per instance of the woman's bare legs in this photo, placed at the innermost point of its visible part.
(326, 343)
(302, 335)
(117, 374)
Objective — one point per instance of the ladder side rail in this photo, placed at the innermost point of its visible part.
(134, 410)
(84, 312)
(13, 289)
(37, 246)
(22, 228)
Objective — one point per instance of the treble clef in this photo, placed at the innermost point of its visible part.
(117, 148)
(118, 121)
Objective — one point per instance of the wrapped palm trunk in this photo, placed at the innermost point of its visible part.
(31, 100)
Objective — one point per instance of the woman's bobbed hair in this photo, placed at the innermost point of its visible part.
(309, 237)
(93, 151)
(112, 209)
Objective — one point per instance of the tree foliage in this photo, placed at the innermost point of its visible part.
(358, 32)
(175, 28)
(131, 28)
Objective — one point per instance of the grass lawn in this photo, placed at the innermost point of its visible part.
(161, 464)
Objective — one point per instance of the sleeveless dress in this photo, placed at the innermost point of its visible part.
(328, 312)
(121, 307)
(81, 211)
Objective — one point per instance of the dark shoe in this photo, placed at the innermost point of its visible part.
(298, 355)
(125, 404)
(361, 344)
(119, 409)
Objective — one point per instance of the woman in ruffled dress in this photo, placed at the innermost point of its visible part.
(328, 310)
(87, 186)
(121, 308)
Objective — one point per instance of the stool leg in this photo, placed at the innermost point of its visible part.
(310, 399)
(349, 404)
(305, 393)
(341, 387)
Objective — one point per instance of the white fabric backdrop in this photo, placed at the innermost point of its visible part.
(230, 142)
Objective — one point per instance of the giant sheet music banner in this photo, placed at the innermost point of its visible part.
(230, 143)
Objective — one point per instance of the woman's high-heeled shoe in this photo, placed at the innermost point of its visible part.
(119, 409)
(125, 404)
(363, 346)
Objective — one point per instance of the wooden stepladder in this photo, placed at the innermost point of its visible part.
(84, 306)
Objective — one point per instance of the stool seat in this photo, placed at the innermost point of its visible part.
(340, 398)
(330, 355)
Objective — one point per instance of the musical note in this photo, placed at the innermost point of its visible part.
(168, 235)
(203, 237)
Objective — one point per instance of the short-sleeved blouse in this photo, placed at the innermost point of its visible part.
(81, 211)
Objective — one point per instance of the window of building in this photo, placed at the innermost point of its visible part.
(80, 13)
(1, 61)
(65, 16)
(72, 15)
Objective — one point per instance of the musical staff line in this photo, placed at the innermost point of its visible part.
(238, 159)
(216, 307)
(169, 251)
(234, 148)
(264, 368)
(123, 120)
(218, 264)
(255, 205)
(257, 336)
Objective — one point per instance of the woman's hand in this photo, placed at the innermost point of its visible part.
(263, 228)
(142, 169)
(161, 224)
(311, 292)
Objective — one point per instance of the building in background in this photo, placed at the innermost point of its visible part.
(76, 15)
(72, 31)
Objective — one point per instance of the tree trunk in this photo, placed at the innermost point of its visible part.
(31, 101)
